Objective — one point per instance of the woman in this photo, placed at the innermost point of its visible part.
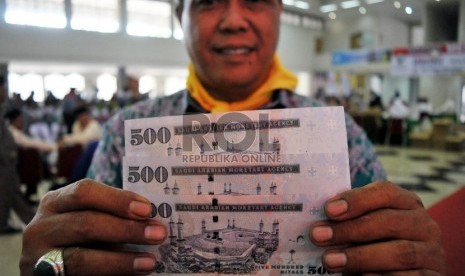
(232, 46)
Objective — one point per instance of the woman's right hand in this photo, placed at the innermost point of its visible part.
(92, 221)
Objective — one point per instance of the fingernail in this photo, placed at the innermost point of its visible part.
(155, 232)
(144, 264)
(337, 208)
(322, 233)
(141, 209)
(335, 260)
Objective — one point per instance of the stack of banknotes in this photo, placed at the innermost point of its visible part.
(238, 191)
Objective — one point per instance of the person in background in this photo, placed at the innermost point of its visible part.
(426, 124)
(398, 109)
(70, 102)
(85, 129)
(122, 96)
(423, 108)
(10, 194)
(130, 93)
(52, 117)
(373, 229)
(47, 150)
(449, 106)
(320, 94)
(375, 102)
(332, 101)
(16, 127)
(50, 99)
(373, 117)
(16, 101)
(30, 101)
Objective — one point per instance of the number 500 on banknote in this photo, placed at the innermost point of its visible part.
(279, 131)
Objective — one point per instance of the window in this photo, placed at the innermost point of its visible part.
(75, 80)
(99, 16)
(60, 84)
(34, 83)
(147, 84)
(57, 84)
(149, 18)
(41, 13)
(15, 84)
(290, 19)
(26, 84)
(173, 84)
(107, 86)
(312, 23)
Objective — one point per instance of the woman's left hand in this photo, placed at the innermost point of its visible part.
(381, 229)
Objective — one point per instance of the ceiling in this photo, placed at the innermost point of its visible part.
(383, 8)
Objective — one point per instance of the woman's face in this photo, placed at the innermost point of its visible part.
(231, 43)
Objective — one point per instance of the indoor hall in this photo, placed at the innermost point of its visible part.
(397, 67)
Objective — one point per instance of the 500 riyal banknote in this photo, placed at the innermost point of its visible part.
(278, 131)
(238, 191)
(237, 174)
(253, 235)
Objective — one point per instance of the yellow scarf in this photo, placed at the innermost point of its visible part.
(278, 78)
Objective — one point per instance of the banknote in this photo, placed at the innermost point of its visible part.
(278, 131)
(238, 190)
(253, 235)
(237, 174)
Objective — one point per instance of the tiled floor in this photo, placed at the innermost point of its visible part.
(432, 174)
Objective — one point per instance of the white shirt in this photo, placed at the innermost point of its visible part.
(84, 136)
(25, 141)
(398, 110)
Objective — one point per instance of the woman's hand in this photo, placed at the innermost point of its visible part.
(381, 229)
(92, 221)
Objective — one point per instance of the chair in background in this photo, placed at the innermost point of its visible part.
(372, 126)
(83, 163)
(396, 132)
(67, 159)
(30, 169)
(420, 139)
(441, 129)
(455, 140)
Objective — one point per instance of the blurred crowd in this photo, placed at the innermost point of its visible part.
(397, 116)
(62, 133)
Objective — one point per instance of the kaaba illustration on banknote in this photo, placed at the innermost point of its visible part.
(231, 249)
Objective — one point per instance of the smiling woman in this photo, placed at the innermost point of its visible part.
(232, 46)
